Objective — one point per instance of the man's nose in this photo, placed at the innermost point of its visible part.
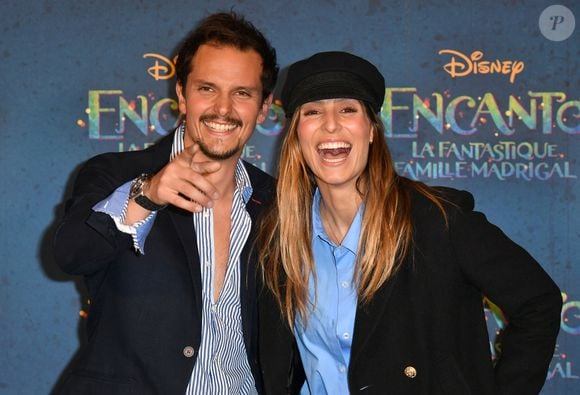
(223, 104)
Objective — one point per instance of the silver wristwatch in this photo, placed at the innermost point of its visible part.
(136, 193)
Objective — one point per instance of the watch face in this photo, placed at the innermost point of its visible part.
(137, 186)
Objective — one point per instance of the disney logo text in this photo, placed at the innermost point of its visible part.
(462, 65)
(162, 69)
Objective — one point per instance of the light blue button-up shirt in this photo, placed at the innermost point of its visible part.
(326, 341)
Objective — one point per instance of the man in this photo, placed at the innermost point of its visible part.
(164, 244)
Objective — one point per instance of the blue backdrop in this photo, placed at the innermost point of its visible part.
(479, 97)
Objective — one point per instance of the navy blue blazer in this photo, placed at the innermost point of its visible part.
(424, 332)
(144, 323)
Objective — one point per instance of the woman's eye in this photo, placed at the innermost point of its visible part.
(310, 112)
(349, 109)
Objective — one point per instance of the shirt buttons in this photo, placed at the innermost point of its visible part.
(213, 307)
(410, 372)
(346, 335)
(342, 368)
(188, 351)
(344, 284)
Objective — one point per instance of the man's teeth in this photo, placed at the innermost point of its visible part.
(333, 145)
(220, 127)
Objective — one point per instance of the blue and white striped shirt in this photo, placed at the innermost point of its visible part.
(222, 365)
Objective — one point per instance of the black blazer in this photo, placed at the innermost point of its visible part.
(424, 331)
(144, 323)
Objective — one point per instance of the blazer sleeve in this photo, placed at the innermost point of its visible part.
(511, 278)
(86, 241)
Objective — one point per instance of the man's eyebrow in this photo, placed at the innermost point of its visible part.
(235, 88)
(203, 82)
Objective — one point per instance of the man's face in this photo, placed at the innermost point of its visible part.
(222, 100)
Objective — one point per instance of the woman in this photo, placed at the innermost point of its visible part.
(374, 282)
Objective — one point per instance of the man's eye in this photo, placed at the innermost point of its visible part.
(349, 109)
(310, 112)
(244, 93)
(205, 89)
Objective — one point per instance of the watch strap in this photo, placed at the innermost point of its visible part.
(147, 204)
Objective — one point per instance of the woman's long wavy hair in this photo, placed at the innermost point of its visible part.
(285, 236)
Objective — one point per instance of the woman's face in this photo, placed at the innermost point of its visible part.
(334, 137)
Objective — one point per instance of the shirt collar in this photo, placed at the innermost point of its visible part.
(242, 179)
(351, 240)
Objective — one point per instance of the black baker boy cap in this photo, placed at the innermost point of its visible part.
(330, 75)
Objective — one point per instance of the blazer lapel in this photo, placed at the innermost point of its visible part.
(182, 221)
(248, 275)
(261, 195)
(367, 318)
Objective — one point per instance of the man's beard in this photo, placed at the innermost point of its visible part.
(206, 150)
(217, 155)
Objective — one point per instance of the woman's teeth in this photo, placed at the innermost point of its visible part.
(333, 149)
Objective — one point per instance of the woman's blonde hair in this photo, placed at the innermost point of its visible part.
(285, 236)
